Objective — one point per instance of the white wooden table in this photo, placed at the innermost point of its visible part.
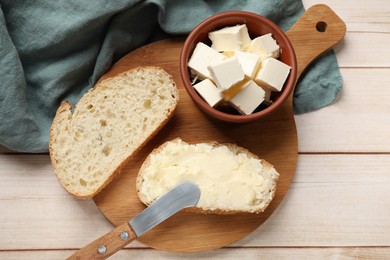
(338, 205)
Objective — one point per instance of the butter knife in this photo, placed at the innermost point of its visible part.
(184, 195)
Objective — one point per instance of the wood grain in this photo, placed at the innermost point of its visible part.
(224, 254)
(334, 200)
(109, 244)
(317, 31)
(358, 121)
(273, 138)
(366, 16)
(337, 206)
(353, 52)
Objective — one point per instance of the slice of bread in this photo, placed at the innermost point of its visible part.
(231, 179)
(110, 123)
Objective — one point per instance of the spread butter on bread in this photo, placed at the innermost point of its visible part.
(110, 123)
(231, 179)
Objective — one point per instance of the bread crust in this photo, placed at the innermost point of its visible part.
(67, 107)
(233, 147)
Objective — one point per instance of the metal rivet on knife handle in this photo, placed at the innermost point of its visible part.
(102, 249)
(124, 235)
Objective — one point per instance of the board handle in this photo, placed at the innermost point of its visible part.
(317, 31)
(106, 245)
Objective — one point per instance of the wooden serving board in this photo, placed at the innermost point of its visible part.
(273, 139)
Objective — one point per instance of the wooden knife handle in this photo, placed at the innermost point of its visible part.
(106, 245)
(318, 30)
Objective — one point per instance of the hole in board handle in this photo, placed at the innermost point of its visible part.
(321, 26)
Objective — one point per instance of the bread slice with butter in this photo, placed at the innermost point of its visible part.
(110, 123)
(231, 179)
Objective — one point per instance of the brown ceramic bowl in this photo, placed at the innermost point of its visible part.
(257, 25)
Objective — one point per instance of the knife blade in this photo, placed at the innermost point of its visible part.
(183, 195)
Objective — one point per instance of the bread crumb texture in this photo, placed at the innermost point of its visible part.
(109, 123)
(231, 179)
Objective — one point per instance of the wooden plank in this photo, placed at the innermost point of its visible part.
(334, 200)
(357, 122)
(377, 27)
(354, 50)
(368, 24)
(360, 15)
(34, 203)
(224, 253)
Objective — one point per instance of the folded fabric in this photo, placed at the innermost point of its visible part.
(56, 50)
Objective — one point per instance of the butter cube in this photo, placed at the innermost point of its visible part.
(201, 58)
(230, 38)
(267, 95)
(209, 92)
(250, 62)
(265, 46)
(248, 99)
(229, 93)
(226, 73)
(272, 74)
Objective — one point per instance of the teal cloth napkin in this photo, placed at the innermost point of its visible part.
(52, 51)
